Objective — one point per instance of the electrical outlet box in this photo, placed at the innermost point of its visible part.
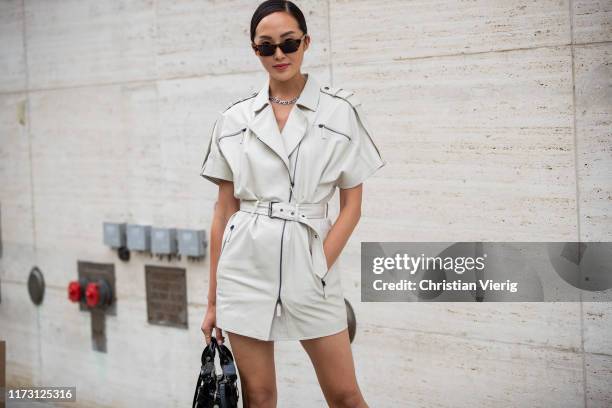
(139, 237)
(192, 242)
(163, 241)
(114, 234)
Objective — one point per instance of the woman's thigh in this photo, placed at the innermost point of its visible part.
(255, 363)
(332, 358)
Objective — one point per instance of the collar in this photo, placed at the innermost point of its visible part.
(309, 98)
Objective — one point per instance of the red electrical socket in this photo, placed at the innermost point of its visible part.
(75, 291)
(92, 293)
(98, 293)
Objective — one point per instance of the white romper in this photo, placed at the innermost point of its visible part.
(272, 277)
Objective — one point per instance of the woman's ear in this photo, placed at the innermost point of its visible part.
(306, 42)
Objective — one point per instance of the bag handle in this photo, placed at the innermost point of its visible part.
(208, 366)
(227, 362)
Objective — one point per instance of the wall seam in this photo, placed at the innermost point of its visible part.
(28, 133)
(330, 63)
(222, 74)
(27, 122)
(578, 217)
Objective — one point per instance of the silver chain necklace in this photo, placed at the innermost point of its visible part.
(282, 101)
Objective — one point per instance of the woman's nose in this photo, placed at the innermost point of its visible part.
(278, 53)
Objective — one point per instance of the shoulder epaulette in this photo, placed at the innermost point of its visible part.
(355, 102)
(242, 100)
(345, 94)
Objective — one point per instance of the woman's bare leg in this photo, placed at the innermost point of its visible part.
(255, 363)
(332, 359)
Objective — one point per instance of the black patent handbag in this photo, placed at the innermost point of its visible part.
(216, 390)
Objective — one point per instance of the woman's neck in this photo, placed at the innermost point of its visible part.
(288, 89)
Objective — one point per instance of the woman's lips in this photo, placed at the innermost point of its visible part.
(281, 67)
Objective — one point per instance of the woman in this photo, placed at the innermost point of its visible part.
(278, 156)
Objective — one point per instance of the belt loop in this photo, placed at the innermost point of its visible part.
(326, 209)
(255, 206)
(270, 209)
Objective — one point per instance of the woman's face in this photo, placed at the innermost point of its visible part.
(274, 29)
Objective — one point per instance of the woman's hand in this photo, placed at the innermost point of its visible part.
(326, 259)
(342, 228)
(208, 323)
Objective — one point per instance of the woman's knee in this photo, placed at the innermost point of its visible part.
(261, 396)
(346, 398)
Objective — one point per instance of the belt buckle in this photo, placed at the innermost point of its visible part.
(270, 208)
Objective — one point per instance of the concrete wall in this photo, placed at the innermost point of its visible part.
(495, 119)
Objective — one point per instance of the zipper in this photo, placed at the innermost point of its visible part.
(233, 134)
(279, 302)
(280, 274)
(323, 125)
(323, 283)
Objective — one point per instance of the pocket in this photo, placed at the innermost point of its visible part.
(233, 129)
(323, 284)
(318, 264)
(236, 132)
(320, 283)
(231, 140)
(226, 240)
(229, 230)
(335, 127)
(327, 129)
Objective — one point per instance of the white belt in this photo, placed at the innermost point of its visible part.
(285, 210)
(300, 212)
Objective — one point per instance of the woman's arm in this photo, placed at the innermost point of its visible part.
(339, 234)
(225, 206)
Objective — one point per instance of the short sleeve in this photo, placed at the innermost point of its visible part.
(215, 167)
(363, 158)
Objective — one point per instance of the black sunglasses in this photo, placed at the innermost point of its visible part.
(288, 46)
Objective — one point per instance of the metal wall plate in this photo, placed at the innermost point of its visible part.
(163, 241)
(191, 242)
(93, 271)
(139, 237)
(98, 330)
(114, 234)
(166, 289)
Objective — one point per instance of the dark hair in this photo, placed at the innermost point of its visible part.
(272, 6)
